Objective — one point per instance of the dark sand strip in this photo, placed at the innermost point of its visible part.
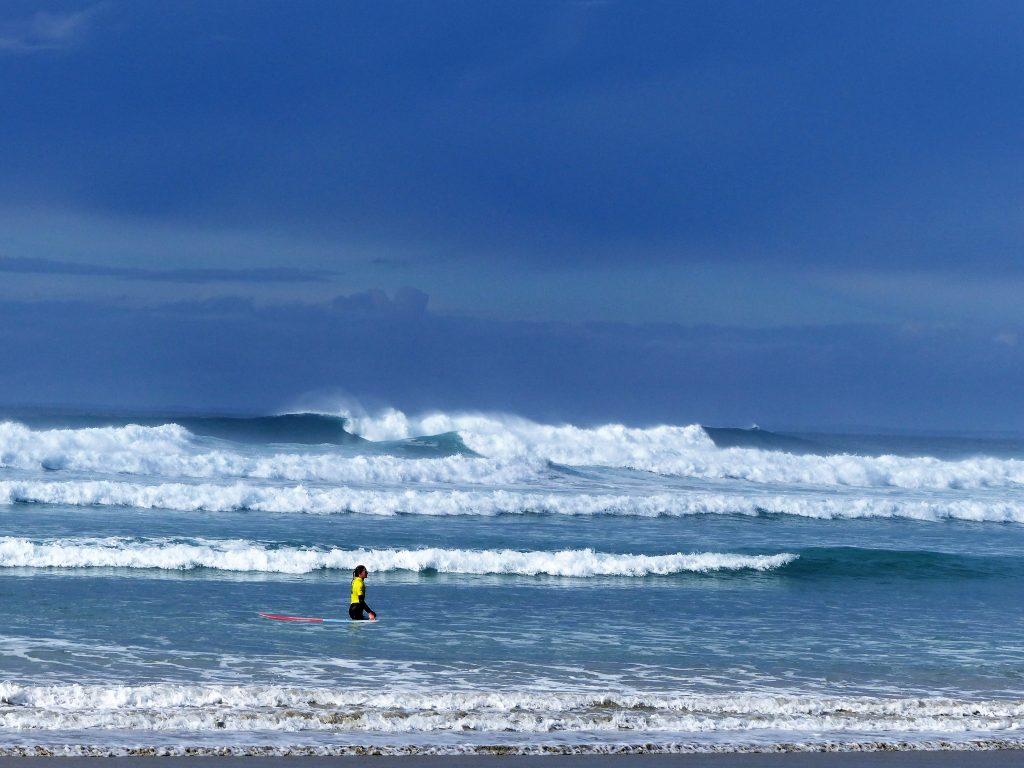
(1004, 758)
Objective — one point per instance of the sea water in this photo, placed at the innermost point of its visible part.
(540, 587)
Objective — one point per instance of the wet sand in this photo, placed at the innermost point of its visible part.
(1004, 758)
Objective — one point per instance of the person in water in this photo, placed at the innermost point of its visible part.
(358, 604)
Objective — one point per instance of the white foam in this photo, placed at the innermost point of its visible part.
(302, 498)
(209, 708)
(171, 451)
(687, 452)
(505, 436)
(514, 451)
(247, 556)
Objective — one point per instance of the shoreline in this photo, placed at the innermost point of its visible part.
(964, 750)
(996, 758)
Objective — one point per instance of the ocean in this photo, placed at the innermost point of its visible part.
(540, 587)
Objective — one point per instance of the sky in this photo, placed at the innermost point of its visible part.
(796, 214)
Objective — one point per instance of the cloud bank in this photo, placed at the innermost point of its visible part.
(232, 354)
(241, 275)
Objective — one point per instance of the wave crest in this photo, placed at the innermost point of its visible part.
(246, 556)
(690, 452)
(171, 451)
(492, 451)
(308, 499)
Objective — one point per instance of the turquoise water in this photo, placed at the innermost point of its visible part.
(538, 585)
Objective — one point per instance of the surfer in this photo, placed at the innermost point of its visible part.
(358, 604)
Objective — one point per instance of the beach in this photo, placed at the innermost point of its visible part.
(980, 759)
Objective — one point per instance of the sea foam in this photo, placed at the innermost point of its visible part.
(686, 451)
(171, 451)
(247, 556)
(511, 451)
(212, 708)
(313, 499)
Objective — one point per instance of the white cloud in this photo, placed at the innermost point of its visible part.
(1009, 338)
(47, 31)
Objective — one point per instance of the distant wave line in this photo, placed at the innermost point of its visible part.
(306, 499)
(498, 452)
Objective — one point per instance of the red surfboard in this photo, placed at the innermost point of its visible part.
(311, 619)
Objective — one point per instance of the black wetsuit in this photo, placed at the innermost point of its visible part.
(358, 604)
(355, 611)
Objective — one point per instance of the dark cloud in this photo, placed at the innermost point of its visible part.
(707, 159)
(229, 354)
(871, 134)
(407, 301)
(241, 275)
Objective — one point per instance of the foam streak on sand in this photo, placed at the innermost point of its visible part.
(209, 708)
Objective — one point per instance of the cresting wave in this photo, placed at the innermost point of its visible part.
(171, 451)
(510, 451)
(307, 499)
(242, 556)
(213, 708)
(686, 452)
(246, 556)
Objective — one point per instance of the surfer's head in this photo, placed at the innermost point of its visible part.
(360, 571)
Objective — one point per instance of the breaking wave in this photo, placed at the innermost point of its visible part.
(689, 452)
(171, 451)
(247, 556)
(483, 450)
(308, 499)
(243, 556)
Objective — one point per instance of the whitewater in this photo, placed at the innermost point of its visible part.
(541, 587)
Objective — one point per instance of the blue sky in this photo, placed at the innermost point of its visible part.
(793, 213)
